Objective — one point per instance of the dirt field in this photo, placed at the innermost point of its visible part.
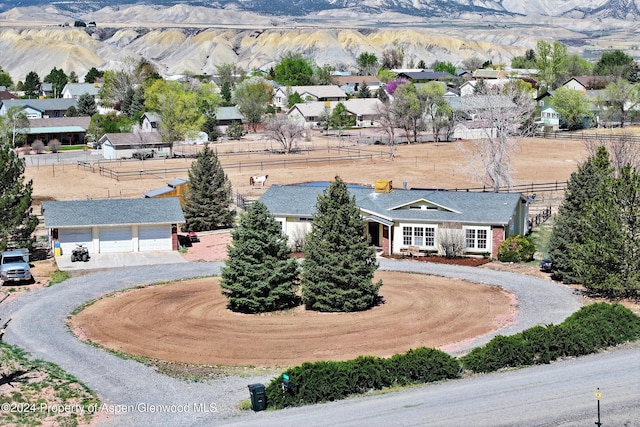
(429, 165)
(191, 324)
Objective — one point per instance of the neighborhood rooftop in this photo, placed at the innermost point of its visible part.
(75, 213)
(452, 206)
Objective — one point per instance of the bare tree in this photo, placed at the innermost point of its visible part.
(504, 118)
(451, 240)
(284, 130)
(623, 150)
(387, 120)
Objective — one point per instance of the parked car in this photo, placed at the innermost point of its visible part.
(545, 265)
(14, 266)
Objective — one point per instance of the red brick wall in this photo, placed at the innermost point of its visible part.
(498, 237)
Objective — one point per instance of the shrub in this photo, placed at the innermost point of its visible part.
(516, 249)
(235, 131)
(54, 145)
(588, 330)
(38, 146)
(326, 380)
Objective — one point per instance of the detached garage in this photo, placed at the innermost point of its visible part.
(114, 225)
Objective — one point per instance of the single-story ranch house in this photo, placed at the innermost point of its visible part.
(127, 145)
(114, 225)
(400, 219)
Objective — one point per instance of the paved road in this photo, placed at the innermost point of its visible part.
(135, 390)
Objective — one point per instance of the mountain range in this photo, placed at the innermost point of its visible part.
(196, 36)
(619, 9)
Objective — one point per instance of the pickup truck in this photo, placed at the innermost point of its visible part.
(14, 266)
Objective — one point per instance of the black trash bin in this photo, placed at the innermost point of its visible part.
(258, 397)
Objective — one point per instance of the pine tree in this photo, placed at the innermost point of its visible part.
(17, 222)
(607, 260)
(87, 105)
(583, 187)
(208, 199)
(260, 274)
(339, 262)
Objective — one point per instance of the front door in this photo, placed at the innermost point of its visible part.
(374, 232)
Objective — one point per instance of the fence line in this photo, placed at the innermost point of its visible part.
(540, 217)
(352, 154)
(588, 136)
(531, 188)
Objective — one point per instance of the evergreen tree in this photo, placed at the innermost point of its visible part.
(583, 186)
(341, 118)
(92, 75)
(32, 85)
(260, 274)
(208, 200)
(364, 91)
(87, 105)
(125, 107)
(58, 80)
(136, 109)
(339, 262)
(607, 260)
(18, 223)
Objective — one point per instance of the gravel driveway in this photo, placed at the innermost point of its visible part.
(135, 391)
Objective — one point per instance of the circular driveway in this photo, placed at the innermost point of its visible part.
(137, 392)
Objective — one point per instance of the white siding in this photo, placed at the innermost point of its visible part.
(68, 239)
(115, 239)
(154, 238)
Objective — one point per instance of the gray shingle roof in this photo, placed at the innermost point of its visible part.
(46, 104)
(84, 213)
(462, 207)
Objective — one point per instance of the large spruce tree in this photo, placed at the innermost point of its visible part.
(584, 186)
(607, 260)
(208, 200)
(17, 223)
(260, 274)
(339, 262)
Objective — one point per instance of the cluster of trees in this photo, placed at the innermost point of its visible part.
(336, 273)
(595, 239)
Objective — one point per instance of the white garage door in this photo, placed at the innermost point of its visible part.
(115, 239)
(69, 238)
(154, 238)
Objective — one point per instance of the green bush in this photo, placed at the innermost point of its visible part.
(516, 249)
(326, 380)
(588, 330)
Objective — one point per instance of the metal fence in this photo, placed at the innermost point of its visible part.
(589, 136)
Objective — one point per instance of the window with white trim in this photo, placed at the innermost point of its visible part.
(419, 236)
(476, 238)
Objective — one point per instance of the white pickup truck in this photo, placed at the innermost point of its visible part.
(14, 266)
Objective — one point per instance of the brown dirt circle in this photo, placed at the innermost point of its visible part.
(188, 322)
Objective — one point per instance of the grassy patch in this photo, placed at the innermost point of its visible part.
(72, 147)
(41, 393)
(541, 237)
(58, 276)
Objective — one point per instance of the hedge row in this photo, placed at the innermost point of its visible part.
(328, 380)
(591, 328)
(588, 330)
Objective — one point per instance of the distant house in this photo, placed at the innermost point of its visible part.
(469, 87)
(76, 90)
(67, 130)
(114, 225)
(228, 115)
(587, 83)
(425, 76)
(490, 74)
(39, 108)
(5, 94)
(128, 145)
(46, 90)
(150, 122)
(364, 111)
(470, 108)
(351, 84)
(308, 93)
(399, 219)
(550, 117)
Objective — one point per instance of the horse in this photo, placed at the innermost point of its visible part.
(258, 179)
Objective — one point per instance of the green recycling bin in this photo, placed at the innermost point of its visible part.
(258, 397)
